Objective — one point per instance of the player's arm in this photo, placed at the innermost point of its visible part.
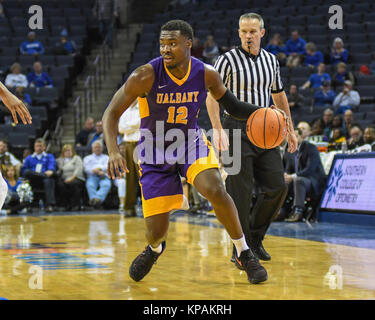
(14, 105)
(138, 85)
(236, 108)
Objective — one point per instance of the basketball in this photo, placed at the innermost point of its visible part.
(266, 128)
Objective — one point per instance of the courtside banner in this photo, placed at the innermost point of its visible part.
(350, 185)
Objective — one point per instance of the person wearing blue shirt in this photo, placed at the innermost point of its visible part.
(64, 46)
(39, 169)
(295, 48)
(38, 78)
(276, 47)
(316, 79)
(324, 96)
(338, 52)
(31, 46)
(313, 56)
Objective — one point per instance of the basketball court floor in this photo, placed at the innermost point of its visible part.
(87, 256)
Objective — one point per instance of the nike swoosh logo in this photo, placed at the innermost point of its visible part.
(160, 87)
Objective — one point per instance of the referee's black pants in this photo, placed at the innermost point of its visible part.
(261, 168)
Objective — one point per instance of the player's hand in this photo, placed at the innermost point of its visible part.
(116, 163)
(220, 139)
(16, 106)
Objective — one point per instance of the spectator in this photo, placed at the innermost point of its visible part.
(316, 79)
(26, 153)
(341, 75)
(338, 52)
(356, 137)
(313, 56)
(317, 132)
(39, 168)
(348, 121)
(295, 99)
(324, 96)
(121, 184)
(305, 129)
(106, 11)
(71, 177)
(2, 14)
(347, 99)
(31, 46)
(211, 50)
(97, 135)
(19, 192)
(369, 137)
(197, 49)
(308, 177)
(65, 47)
(327, 118)
(82, 136)
(7, 159)
(337, 123)
(98, 184)
(276, 47)
(24, 97)
(16, 78)
(337, 139)
(38, 78)
(129, 126)
(372, 64)
(294, 49)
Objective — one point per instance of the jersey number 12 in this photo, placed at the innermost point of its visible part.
(177, 117)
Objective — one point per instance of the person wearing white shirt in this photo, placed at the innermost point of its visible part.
(98, 184)
(347, 99)
(16, 78)
(129, 124)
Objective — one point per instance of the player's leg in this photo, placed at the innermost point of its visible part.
(3, 191)
(210, 185)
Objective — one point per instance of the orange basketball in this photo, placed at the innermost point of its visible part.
(266, 128)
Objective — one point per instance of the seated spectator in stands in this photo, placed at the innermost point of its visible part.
(341, 75)
(2, 14)
(324, 96)
(121, 183)
(39, 168)
(369, 137)
(317, 131)
(15, 78)
(295, 49)
(71, 178)
(308, 177)
(24, 97)
(211, 50)
(356, 137)
(38, 78)
(7, 159)
(348, 122)
(276, 47)
(347, 99)
(197, 49)
(327, 118)
(337, 139)
(97, 135)
(17, 199)
(82, 136)
(316, 79)
(32, 46)
(305, 129)
(295, 99)
(65, 47)
(338, 52)
(313, 56)
(337, 123)
(26, 152)
(98, 184)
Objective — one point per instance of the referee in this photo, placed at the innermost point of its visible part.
(253, 75)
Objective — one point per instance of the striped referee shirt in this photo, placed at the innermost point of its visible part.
(251, 78)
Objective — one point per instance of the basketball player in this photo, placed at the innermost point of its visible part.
(253, 75)
(15, 107)
(170, 89)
